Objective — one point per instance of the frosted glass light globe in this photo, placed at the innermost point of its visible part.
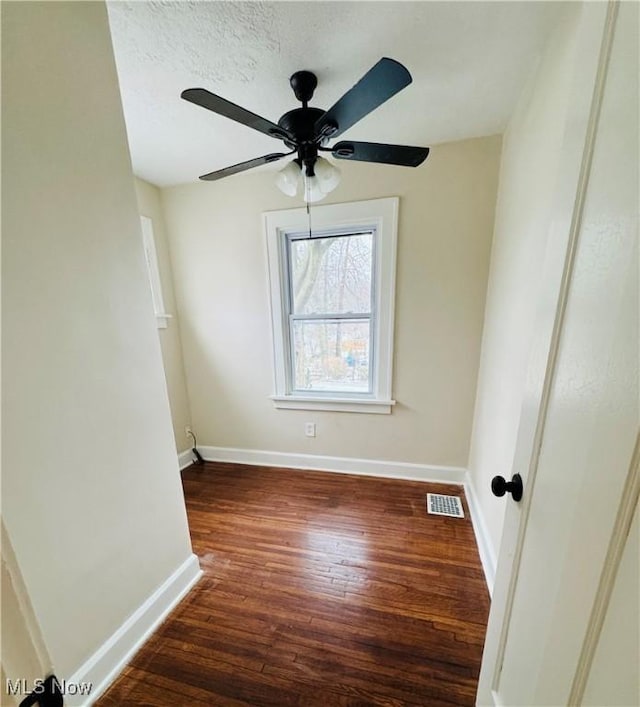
(313, 189)
(327, 174)
(289, 179)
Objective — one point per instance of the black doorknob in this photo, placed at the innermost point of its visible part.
(499, 486)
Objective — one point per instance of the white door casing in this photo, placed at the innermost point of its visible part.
(580, 420)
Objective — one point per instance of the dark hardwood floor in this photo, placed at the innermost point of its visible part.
(318, 589)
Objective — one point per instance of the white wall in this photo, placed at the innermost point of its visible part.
(150, 205)
(92, 499)
(219, 261)
(529, 173)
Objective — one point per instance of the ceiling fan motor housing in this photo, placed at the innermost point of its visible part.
(300, 123)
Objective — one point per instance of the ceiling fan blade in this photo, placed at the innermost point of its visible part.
(242, 166)
(403, 155)
(379, 84)
(208, 100)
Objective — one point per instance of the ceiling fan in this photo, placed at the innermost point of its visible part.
(306, 131)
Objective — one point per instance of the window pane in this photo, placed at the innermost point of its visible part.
(331, 275)
(331, 355)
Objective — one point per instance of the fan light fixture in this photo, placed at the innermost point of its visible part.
(324, 178)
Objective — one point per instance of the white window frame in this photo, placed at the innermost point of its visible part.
(381, 217)
(151, 257)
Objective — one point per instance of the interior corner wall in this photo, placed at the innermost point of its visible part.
(150, 205)
(219, 261)
(91, 495)
(528, 178)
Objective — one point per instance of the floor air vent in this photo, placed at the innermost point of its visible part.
(440, 505)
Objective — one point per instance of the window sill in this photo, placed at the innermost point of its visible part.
(300, 402)
(162, 320)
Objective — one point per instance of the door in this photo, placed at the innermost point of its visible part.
(24, 655)
(577, 448)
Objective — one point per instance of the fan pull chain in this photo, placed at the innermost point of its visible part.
(309, 219)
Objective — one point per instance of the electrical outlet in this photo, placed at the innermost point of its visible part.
(310, 429)
(187, 431)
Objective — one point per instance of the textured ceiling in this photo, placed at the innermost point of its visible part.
(468, 60)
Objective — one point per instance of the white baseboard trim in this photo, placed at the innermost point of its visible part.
(185, 459)
(483, 540)
(104, 666)
(343, 465)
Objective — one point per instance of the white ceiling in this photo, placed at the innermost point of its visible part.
(468, 60)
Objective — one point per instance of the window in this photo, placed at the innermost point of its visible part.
(332, 305)
(153, 271)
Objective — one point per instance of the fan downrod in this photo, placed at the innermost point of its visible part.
(304, 84)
